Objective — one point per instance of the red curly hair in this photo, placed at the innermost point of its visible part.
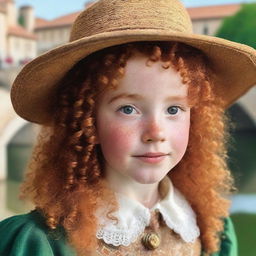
(66, 174)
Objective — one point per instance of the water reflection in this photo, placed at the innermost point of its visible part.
(245, 203)
(10, 204)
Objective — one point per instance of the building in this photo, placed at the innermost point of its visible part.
(17, 43)
(207, 19)
(54, 32)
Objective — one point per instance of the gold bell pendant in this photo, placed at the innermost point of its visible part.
(151, 241)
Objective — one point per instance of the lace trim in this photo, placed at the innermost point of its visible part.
(115, 235)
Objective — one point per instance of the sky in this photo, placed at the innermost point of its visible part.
(49, 9)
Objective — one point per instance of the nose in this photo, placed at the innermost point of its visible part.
(153, 132)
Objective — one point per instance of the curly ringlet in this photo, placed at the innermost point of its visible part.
(66, 174)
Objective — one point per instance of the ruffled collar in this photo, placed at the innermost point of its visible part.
(133, 217)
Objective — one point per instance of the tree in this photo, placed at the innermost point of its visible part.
(21, 21)
(240, 27)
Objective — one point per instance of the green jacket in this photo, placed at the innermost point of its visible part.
(25, 235)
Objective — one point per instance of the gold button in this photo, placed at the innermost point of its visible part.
(151, 241)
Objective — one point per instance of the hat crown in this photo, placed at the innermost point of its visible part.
(117, 15)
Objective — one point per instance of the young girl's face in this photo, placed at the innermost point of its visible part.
(143, 125)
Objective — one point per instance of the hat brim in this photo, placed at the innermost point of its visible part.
(32, 93)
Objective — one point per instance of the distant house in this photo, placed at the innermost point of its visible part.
(17, 43)
(55, 32)
(207, 19)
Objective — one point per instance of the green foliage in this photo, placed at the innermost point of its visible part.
(240, 27)
(246, 233)
(21, 21)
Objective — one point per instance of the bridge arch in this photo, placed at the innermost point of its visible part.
(10, 130)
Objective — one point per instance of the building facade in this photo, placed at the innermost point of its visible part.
(56, 32)
(53, 33)
(207, 19)
(17, 43)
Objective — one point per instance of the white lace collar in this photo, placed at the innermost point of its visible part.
(133, 217)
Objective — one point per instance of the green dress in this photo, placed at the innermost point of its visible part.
(25, 235)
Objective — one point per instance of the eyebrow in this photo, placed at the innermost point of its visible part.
(125, 96)
(139, 97)
(177, 98)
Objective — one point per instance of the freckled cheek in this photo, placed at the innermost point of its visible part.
(116, 140)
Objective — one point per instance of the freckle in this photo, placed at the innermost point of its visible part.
(141, 124)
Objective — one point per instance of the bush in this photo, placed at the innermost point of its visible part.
(240, 27)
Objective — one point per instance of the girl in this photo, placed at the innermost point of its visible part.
(131, 156)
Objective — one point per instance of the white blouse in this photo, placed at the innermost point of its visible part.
(133, 217)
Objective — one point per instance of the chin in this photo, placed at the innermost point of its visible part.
(148, 180)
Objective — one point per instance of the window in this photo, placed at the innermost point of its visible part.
(206, 29)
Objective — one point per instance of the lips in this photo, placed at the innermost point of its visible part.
(150, 154)
(152, 158)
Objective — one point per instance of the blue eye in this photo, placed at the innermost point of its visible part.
(173, 110)
(127, 109)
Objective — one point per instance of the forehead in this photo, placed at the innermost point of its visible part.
(153, 80)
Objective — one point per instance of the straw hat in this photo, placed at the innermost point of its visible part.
(112, 22)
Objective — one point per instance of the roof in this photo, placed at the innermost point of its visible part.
(40, 22)
(20, 32)
(5, 1)
(214, 11)
(66, 20)
(204, 12)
